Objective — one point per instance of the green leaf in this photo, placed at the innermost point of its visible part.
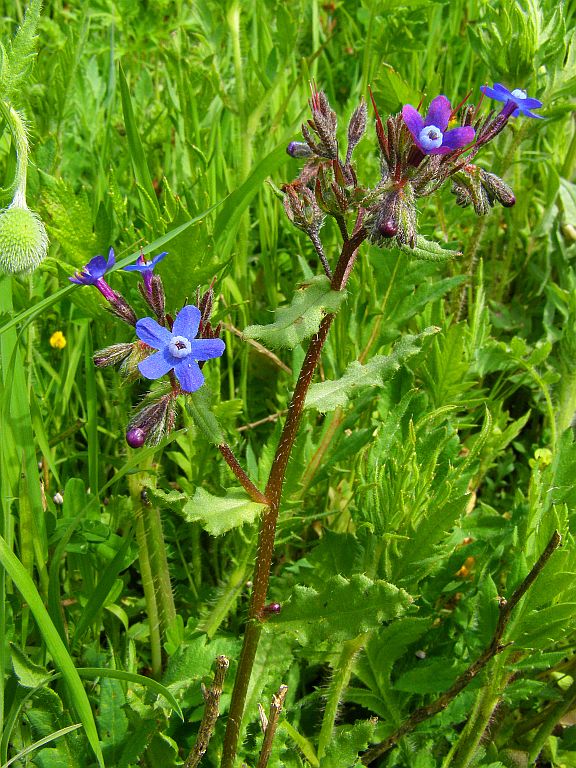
(433, 676)
(429, 250)
(342, 609)
(55, 646)
(199, 407)
(329, 395)
(29, 675)
(302, 318)
(216, 514)
(348, 742)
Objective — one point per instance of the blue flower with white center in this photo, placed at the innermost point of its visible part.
(431, 133)
(178, 349)
(519, 97)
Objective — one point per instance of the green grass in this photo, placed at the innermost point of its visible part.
(163, 125)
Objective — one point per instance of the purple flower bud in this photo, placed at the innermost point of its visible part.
(388, 228)
(135, 437)
(299, 149)
(271, 609)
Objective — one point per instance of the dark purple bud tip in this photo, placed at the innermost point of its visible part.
(509, 201)
(135, 437)
(299, 149)
(271, 609)
(388, 228)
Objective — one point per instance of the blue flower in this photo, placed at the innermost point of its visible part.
(144, 266)
(519, 97)
(178, 349)
(94, 270)
(430, 134)
(146, 269)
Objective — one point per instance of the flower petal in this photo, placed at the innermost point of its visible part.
(439, 113)
(458, 137)
(158, 259)
(156, 365)
(186, 323)
(530, 104)
(413, 119)
(189, 374)
(528, 113)
(111, 259)
(206, 349)
(153, 334)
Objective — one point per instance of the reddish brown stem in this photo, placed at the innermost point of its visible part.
(254, 493)
(273, 494)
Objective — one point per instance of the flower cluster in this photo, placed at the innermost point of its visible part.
(419, 152)
(177, 347)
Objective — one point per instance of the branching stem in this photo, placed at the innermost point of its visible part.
(496, 646)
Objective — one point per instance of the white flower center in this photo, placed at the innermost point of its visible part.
(519, 93)
(431, 137)
(179, 346)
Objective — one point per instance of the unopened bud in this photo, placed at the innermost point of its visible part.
(135, 437)
(497, 189)
(299, 149)
(151, 423)
(23, 239)
(112, 355)
(58, 499)
(271, 609)
(356, 128)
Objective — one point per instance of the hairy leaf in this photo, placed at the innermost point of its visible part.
(329, 395)
(302, 318)
(342, 608)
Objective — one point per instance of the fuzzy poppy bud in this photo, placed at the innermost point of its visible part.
(23, 239)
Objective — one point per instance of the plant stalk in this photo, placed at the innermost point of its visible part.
(273, 495)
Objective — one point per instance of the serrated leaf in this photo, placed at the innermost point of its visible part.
(348, 742)
(329, 395)
(342, 609)
(428, 250)
(302, 318)
(29, 675)
(218, 514)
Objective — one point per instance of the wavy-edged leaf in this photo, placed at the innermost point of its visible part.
(329, 395)
(302, 318)
(342, 609)
(216, 514)
(429, 250)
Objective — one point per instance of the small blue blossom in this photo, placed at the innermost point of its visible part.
(430, 133)
(519, 97)
(144, 266)
(94, 270)
(178, 349)
(146, 269)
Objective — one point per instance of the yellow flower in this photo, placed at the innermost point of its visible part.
(58, 340)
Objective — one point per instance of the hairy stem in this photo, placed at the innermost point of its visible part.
(135, 487)
(212, 710)
(245, 481)
(273, 495)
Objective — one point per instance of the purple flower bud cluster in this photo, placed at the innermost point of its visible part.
(419, 152)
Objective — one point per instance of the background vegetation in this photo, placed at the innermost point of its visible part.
(446, 481)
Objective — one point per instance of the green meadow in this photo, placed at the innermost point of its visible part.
(301, 492)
